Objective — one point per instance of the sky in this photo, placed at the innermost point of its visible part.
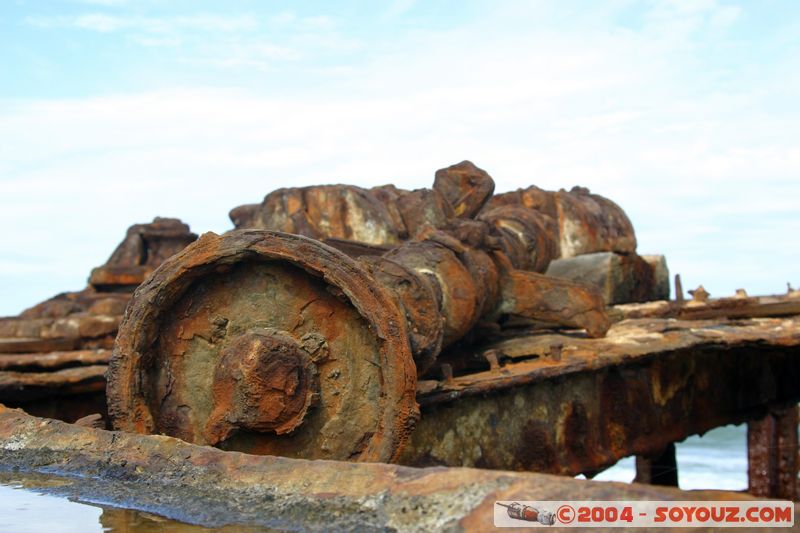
(113, 112)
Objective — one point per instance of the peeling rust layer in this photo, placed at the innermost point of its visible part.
(207, 486)
(572, 405)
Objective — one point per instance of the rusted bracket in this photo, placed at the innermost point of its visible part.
(772, 454)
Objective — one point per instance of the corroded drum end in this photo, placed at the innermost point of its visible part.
(266, 342)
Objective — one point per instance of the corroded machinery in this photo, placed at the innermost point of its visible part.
(302, 332)
(331, 314)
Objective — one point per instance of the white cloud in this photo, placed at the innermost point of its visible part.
(104, 3)
(707, 169)
(399, 7)
(103, 23)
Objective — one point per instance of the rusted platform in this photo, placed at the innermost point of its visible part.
(207, 486)
(572, 405)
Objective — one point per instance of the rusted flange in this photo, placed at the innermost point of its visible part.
(265, 342)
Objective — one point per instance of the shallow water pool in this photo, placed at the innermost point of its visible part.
(27, 506)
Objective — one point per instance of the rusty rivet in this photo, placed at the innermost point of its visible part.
(491, 357)
(447, 372)
(700, 294)
(555, 350)
(740, 293)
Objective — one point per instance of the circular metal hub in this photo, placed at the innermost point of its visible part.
(264, 381)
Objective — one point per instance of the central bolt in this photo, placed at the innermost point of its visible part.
(264, 381)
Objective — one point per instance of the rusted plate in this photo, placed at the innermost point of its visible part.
(546, 355)
(20, 387)
(53, 360)
(33, 344)
(73, 331)
(204, 485)
(194, 355)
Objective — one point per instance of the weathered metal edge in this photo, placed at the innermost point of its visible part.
(212, 487)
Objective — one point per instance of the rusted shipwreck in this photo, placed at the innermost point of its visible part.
(438, 327)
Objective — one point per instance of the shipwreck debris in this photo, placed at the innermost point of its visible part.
(328, 341)
(212, 348)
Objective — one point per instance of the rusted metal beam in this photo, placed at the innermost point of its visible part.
(35, 344)
(531, 357)
(207, 486)
(53, 360)
(642, 368)
(711, 309)
(772, 454)
(20, 387)
(644, 386)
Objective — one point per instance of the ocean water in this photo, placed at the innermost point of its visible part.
(717, 460)
(25, 507)
(24, 511)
